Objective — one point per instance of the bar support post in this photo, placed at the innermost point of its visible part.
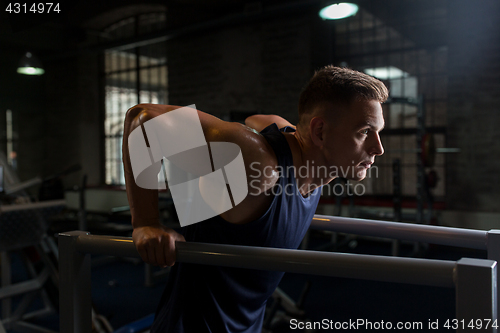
(476, 295)
(493, 248)
(74, 285)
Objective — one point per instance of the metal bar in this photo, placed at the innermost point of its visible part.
(34, 205)
(404, 100)
(368, 267)
(6, 281)
(494, 251)
(74, 285)
(22, 326)
(448, 150)
(82, 211)
(25, 287)
(420, 163)
(469, 238)
(474, 279)
(476, 295)
(419, 150)
(108, 245)
(412, 130)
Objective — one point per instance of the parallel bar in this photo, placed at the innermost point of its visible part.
(108, 245)
(469, 238)
(368, 267)
(74, 285)
(494, 253)
(476, 295)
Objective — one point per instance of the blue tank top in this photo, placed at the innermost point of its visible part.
(204, 298)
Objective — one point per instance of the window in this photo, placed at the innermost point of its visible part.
(132, 76)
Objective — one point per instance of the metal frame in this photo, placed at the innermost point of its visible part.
(467, 238)
(24, 225)
(466, 275)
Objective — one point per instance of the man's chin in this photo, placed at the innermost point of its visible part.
(360, 174)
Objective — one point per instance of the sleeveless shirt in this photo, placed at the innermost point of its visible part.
(205, 298)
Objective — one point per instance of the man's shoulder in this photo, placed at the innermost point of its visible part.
(253, 145)
(258, 156)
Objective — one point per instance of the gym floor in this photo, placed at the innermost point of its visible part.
(119, 294)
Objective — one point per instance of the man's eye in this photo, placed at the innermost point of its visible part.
(365, 131)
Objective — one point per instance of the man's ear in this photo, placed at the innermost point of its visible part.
(317, 127)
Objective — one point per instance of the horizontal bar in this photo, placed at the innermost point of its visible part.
(418, 150)
(108, 245)
(32, 205)
(22, 186)
(404, 100)
(367, 267)
(448, 150)
(469, 238)
(412, 131)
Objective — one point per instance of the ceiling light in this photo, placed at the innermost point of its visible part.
(30, 65)
(338, 11)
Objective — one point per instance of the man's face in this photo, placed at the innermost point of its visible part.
(352, 141)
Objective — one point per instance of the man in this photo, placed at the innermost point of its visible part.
(340, 117)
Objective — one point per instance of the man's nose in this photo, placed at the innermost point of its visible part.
(378, 148)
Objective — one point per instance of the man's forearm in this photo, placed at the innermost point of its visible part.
(143, 204)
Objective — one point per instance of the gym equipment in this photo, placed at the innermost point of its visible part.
(431, 179)
(428, 150)
(25, 226)
(17, 186)
(474, 279)
(334, 243)
(396, 193)
(22, 226)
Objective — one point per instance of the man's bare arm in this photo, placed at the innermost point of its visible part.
(261, 121)
(154, 242)
(150, 237)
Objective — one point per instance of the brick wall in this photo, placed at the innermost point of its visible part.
(73, 123)
(258, 67)
(474, 105)
(261, 67)
(24, 96)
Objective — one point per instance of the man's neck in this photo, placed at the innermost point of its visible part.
(307, 160)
